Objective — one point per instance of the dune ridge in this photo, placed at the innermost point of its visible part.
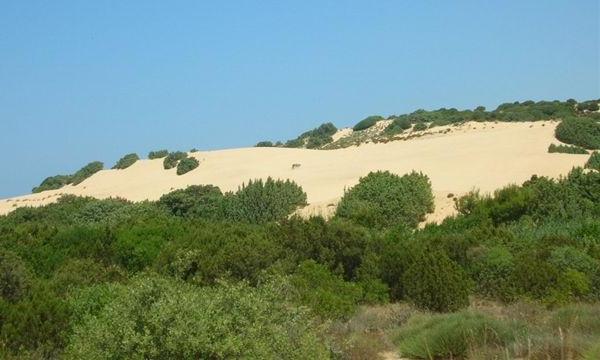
(473, 155)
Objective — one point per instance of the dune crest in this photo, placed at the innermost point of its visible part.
(483, 156)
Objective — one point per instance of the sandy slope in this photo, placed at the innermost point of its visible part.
(475, 155)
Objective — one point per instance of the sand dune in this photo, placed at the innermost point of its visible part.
(486, 156)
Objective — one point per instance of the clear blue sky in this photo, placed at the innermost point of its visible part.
(92, 80)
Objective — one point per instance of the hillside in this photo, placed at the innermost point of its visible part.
(472, 155)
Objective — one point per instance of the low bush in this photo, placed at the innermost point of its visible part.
(452, 336)
(329, 296)
(264, 144)
(58, 181)
(173, 159)
(15, 278)
(566, 149)
(158, 154)
(436, 283)
(382, 199)
(367, 122)
(126, 161)
(420, 127)
(398, 125)
(186, 165)
(202, 201)
(314, 138)
(580, 131)
(264, 201)
(594, 161)
(151, 317)
(52, 183)
(86, 171)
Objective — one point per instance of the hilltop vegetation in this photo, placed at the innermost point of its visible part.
(58, 181)
(251, 281)
(421, 120)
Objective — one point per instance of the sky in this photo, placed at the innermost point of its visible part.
(93, 80)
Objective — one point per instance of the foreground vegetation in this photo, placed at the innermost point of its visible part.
(206, 274)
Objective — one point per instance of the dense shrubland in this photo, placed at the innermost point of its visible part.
(126, 161)
(76, 275)
(58, 181)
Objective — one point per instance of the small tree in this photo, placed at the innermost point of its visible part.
(436, 283)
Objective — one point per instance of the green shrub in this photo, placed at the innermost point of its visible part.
(158, 154)
(15, 278)
(492, 270)
(52, 183)
(86, 171)
(264, 144)
(97, 211)
(451, 336)
(58, 181)
(580, 131)
(420, 127)
(38, 323)
(591, 105)
(126, 161)
(382, 199)
(202, 253)
(594, 161)
(367, 122)
(436, 283)
(164, 319)
(264, 201)
(173, 159)
(186, 165)
(194, 150)
(329, 296)
(203, 201)
(566, 149)
(314, 138)
(398, 125)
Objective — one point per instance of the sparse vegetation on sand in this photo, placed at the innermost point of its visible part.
(126, 161)
(58, 181)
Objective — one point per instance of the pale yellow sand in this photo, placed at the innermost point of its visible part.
(485, 156)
